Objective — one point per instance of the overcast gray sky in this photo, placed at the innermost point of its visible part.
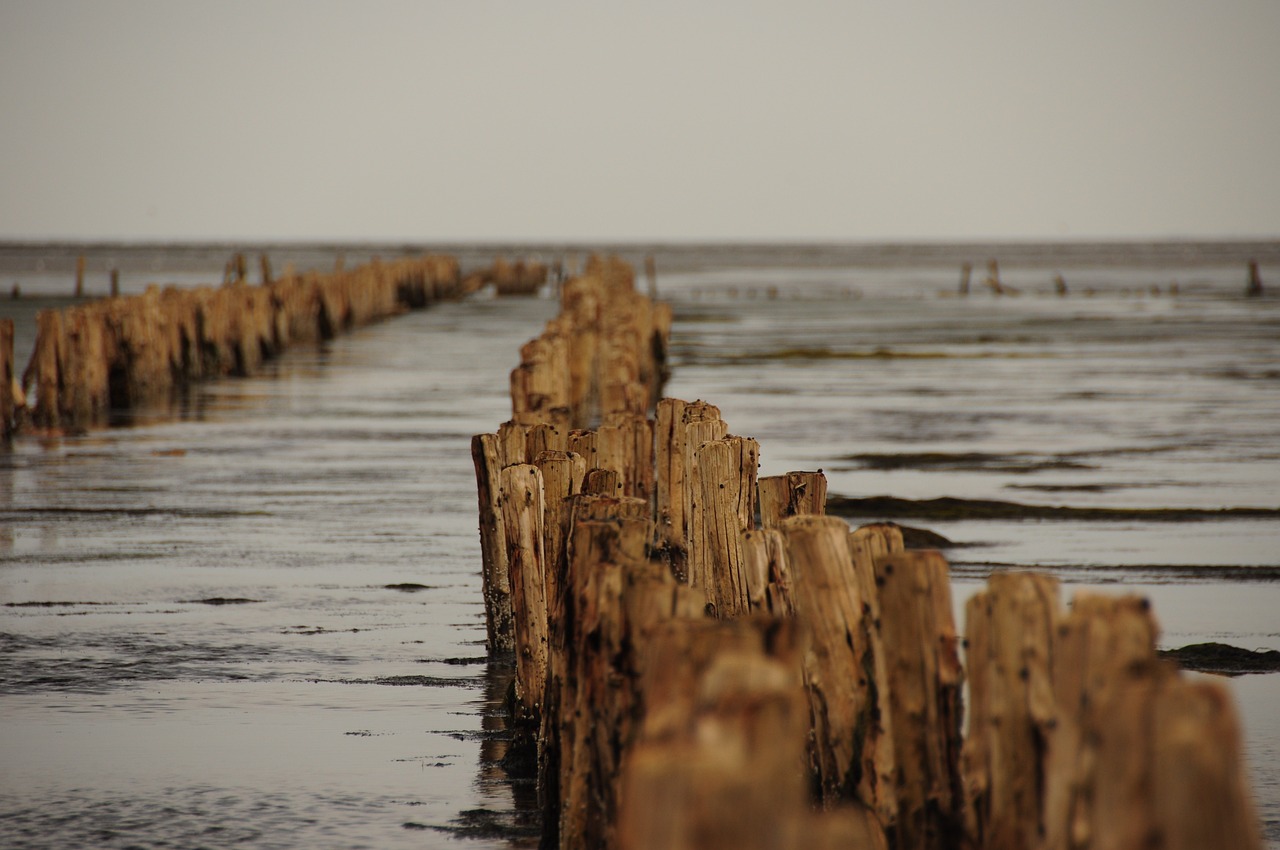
(656, 120)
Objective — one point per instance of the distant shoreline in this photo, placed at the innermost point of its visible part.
(58, 256)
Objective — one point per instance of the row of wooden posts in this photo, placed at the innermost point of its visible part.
(127, 352)
(703, 659)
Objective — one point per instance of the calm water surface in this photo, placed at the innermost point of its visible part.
(257, 618)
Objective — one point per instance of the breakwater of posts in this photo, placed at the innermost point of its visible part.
(703, 659)
(123, 353)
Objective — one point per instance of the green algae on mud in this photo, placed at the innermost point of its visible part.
(952, 509)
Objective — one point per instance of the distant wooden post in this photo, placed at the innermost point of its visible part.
(80, 276)
(264, 263)
(965, 271)
(1254, 288)
(7, 380)
(115, 283)
(993, 277)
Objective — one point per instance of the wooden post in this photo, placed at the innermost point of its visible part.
(523, 518)
(726, 497)
(595, 694)
(789, 495)
(8, 406)
(925, 679)
(768, 576)
(486, 454)
(1254, 287)
(681, 428)
(993, 277)
(1010, 629)
(80, 276)
(718, 759)
(1097, 641)
(545, 437)
(562, 479)
(851, 749)
(115, 283)
(264, 263)
(965, 271)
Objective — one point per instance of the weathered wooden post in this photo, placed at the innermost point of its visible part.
(1010, 630)
(725, 507)
(925, 679)
(1096, 642)
(993, 277)
(681, 428)
(966, 270)
(792, 494)
(8, 405)
(852, 749)
(523, 517)
(487, 455)
(80, 276)
(1254, 287)
(115, 283)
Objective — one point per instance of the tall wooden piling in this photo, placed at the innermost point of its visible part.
(925, 678)
(521, 493)
(1010, 630)
(488, 457)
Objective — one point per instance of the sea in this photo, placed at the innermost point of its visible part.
(253, 617)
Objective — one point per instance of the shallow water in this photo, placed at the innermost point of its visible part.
(261, 623)
(259, 616)
(1126, 397)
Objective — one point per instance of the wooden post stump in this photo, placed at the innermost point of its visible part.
(793, 494)
(925, 678)
(521, 493)
(1010, 630)
(851, 751)
(487, 455)
(725, 507)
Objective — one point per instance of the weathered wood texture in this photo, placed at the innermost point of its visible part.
(1009, 634)
(521, 494)
(792, 494)
(724, 507)
(141, 350)
(925, 679)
